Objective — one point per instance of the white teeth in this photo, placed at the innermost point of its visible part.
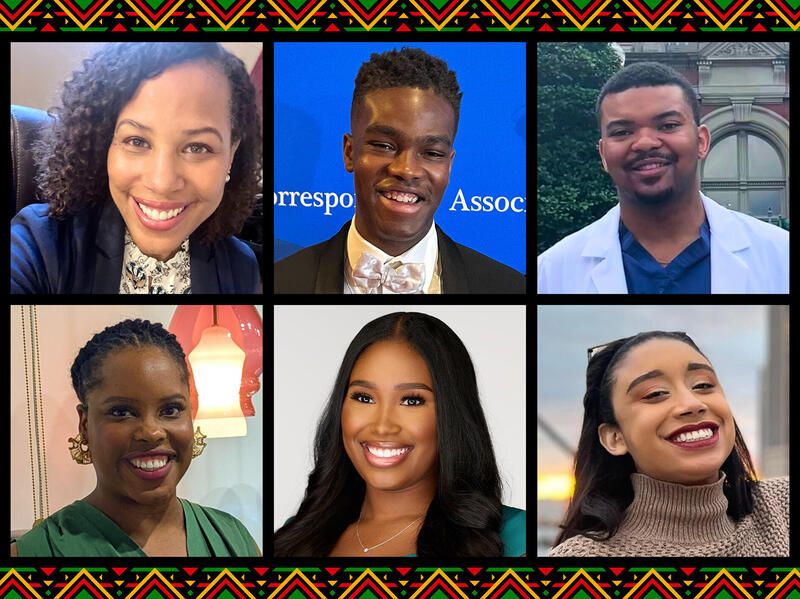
(386, 453)
(149, 464)
(406, 198)
(703, 433)
(160, 214)
(649, 167)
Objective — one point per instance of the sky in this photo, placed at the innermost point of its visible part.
(733, 337)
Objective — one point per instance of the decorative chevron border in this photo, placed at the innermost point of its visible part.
(199, 582)
(401, 16)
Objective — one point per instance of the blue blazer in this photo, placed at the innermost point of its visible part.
(83, 254)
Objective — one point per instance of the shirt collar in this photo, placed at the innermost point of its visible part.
(425, 251)
(133, 253)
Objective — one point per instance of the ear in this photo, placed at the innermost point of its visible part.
(601, 150)
(611, 438)
(703, 141)
(450, 164)
(347, 151)
(83, 426)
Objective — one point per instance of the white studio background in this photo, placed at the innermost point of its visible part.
(228, 475)
(310, 342)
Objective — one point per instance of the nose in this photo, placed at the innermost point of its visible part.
(688, 403)
(163, 173)
(385, 422)
(405, 165)
(150, 430)
(645, 139)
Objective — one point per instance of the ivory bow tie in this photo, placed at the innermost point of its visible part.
(370, 274)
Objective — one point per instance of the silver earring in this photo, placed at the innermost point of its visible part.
(227, 177)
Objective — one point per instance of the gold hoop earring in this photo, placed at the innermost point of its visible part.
(198, 445)
(76, 450)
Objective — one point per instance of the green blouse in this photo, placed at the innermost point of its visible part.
(81, 530)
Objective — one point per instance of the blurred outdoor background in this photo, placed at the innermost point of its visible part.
(747, 345)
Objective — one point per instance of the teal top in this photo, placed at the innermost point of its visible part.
(81, 530)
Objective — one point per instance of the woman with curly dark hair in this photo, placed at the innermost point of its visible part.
(151, 166)
(403, 458)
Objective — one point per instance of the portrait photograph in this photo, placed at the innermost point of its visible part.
(381, 158)
(136, 431)
(663, 431)
(663, 167)
(136, 167)
(400, 432)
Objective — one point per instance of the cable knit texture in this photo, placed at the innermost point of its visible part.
(668, 519)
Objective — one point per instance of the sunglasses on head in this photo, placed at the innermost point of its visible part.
(598, 348)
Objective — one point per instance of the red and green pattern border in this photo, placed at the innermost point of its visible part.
(548, 18)
(341, 582)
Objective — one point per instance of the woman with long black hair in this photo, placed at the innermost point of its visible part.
(404, 464)
(661, 467)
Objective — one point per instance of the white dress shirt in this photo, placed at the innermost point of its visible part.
(425, 252)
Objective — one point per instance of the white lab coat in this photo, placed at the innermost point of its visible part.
(747, 256)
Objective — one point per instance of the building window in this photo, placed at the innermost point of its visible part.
(745, 172)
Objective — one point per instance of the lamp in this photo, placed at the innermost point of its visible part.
(223, 347)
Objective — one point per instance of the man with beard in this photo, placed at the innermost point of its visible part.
(664, 236)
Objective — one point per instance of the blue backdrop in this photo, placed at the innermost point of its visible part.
(485, 202)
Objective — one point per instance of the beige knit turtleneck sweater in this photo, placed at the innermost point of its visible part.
(668, 519)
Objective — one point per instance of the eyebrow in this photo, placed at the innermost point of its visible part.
(424, 140)
(669, 114)
(187, 132)
(113, 398)
(656, 373)
(401, 386)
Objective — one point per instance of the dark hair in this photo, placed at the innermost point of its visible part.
(648, 74)
(603, 488)
(128, 333)
(72, 156)
(409, 67)
(465, 515)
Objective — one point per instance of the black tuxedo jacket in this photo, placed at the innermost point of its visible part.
(320, 269)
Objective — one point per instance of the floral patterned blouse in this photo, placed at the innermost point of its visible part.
(144, 274)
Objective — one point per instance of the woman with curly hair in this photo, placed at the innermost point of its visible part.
(135, 428)
(403, 458)
(151, 167)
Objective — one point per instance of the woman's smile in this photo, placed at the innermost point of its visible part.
(695, 436)
(385, 455)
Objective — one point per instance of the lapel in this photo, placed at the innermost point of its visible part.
(110, 246)
(206, 278)
(604, 253)
(330, 267)
(454, 270)
(729, 245)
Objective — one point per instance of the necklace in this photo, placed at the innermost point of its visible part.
(358, 536)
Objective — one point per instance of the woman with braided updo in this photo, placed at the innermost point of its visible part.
(135, 428)
(151, 167)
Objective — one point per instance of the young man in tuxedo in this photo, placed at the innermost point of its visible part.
(403, 120)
